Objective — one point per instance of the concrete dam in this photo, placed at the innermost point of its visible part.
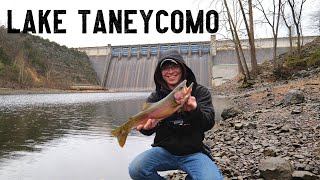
(131, 67)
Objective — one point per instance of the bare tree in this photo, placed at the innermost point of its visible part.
(272, 17)
(288, 24)
(250, 32)
(225, 24)
(296, 16)
(237, 43)
(240, 67)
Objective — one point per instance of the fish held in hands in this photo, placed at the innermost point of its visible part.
(159, 110)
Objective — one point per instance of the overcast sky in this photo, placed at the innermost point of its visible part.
(72, 21)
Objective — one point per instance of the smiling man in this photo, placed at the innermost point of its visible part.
(178, 141)
(171, 72)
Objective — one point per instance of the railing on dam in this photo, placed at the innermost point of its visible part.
(148, 50)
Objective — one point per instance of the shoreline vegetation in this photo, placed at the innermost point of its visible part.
(72, 89)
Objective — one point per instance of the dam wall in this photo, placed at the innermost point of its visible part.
(131, 67)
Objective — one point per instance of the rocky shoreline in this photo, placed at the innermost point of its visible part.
(273, 132)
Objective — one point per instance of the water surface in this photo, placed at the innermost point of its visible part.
(67, 136)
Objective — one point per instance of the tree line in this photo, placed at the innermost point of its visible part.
(238, 18)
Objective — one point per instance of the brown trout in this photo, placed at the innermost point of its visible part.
(159, 110)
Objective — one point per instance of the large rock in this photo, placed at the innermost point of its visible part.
(293, 97)
(230, 113)
(276, 168)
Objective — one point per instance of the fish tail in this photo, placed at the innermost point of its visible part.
(121, 133)
(190, 88)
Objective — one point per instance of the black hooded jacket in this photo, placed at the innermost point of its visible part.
(183, 132)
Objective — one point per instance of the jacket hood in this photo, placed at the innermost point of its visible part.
(187, 73)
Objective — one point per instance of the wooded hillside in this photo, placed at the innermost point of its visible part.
(31, 61)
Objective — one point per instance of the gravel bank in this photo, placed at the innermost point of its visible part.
(267, 126)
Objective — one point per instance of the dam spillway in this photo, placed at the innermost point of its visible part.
(131, 68)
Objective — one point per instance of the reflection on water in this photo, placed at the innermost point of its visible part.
(67, 136)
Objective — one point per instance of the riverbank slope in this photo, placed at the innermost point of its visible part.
(267, 127)
(273, 118)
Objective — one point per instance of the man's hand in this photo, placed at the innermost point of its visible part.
(151, 123)
(190, 104)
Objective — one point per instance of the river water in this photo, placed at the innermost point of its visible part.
(67, 136)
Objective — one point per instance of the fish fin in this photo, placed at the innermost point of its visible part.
(146, 105)
(190, 88)
(121, 133)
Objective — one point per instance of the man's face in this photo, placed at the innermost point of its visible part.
(171, 73)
